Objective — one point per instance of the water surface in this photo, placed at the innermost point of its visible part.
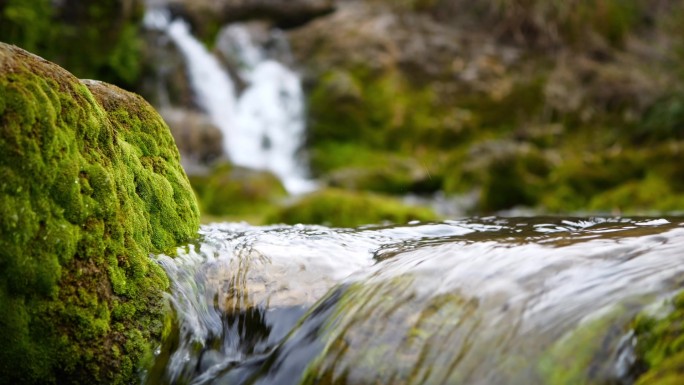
(478, 301)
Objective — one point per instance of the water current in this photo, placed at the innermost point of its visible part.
(476, 301)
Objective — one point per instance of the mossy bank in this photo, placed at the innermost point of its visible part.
(90, 184)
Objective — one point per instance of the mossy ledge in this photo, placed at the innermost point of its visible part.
(90, 184)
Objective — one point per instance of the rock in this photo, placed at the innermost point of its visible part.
(199, 141)
(588, 87)
(166, 82)
(369, 35)
(207, 16)
(90, 185)
(284, 13)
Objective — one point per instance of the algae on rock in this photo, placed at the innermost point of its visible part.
(90, 184)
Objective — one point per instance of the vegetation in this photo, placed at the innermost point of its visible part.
(93, 39)
(581, 119)
(238, 193)
(660, 346)
(587, 114)
(341, 208)
(90, 184)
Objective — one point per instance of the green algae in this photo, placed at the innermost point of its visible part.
(91, 184)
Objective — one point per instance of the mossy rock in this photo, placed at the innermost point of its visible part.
(90, 184)
(660, 345)
(352, 166)
(382, 111)
(360, 348)
(508, 173)
(651, 195)
(341, 208)
(586, 355)
(230, 191)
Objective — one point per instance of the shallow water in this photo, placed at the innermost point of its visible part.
(479, 301)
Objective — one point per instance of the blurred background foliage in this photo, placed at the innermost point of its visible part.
(495, 106)
(92, 39)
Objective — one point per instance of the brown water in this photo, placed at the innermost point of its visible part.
(479, 301)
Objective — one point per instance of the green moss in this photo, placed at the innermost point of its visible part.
(380, 111)
(229, 191)
(513, 178)
(353, 166)
(520, 105)
(652, 194)
(341, 208)
(584, 175)
(660, 345)
(586, 354)
(96, 39)
(91, 185)
(665, 119)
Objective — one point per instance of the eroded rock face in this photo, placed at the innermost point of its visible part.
(90, 184)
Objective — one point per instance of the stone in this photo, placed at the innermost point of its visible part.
(90, 185)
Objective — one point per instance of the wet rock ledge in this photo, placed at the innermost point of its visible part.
(90, 185)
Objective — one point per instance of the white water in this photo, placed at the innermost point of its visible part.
(515, 291)
(263, 127)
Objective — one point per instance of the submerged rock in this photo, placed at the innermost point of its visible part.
(90, 184)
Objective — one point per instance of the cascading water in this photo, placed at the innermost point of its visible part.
(488, 301)
(264, 126)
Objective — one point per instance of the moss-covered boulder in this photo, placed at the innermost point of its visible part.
(90, 184)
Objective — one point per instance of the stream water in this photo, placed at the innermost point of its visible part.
(478, 301)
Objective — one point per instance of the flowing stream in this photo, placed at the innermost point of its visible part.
(478, 301)
(263, 126)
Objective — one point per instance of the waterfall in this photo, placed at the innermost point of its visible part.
(263, 127)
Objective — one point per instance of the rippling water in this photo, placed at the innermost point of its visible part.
(481, 301)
